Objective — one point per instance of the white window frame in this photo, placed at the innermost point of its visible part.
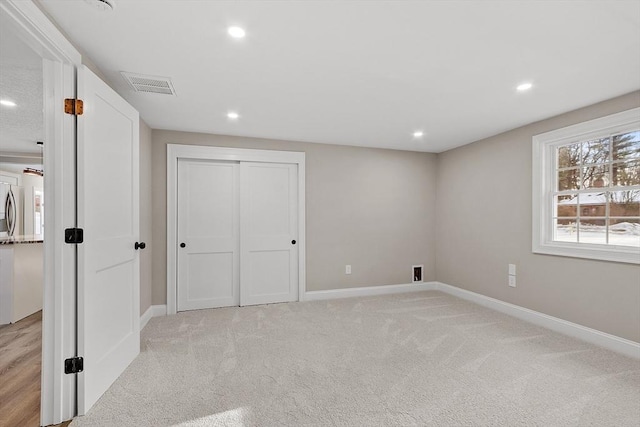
(544, 181)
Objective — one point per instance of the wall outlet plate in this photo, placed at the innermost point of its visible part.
(347, 269)
(512, 281)
(416, 271)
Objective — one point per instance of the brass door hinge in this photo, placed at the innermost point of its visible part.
(73, 106)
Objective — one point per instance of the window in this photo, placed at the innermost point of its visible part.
(586, 189)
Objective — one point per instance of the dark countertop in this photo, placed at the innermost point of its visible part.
(20, 239)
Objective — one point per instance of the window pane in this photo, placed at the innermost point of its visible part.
(567, 205)
(596, 151)
(626, 146)
(569, 156)
(593, 231)
(593, 210)
(624, 203)
(627, 173)
(596, 176)
(565, 230)
(568, 179)
(593, 204)
(624, 232)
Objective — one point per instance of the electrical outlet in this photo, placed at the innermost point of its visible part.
(512, 269)
(347, 269)
(512, 281)
(417, 273)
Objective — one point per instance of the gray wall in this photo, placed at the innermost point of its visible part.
(371, 208)
(484, 223)
(145, 216)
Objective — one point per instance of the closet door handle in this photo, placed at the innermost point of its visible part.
(183, 245)
(293, 242)
(140, 245)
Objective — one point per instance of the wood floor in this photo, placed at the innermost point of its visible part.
(20, 361)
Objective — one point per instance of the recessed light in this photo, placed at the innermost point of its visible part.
(233, 115)
(418, 134)
(7, 103)
(524, 87)
(236, 32)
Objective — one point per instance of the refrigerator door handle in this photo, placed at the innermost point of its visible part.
(7, 206)
(10, 209)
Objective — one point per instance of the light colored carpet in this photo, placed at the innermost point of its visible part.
(411, 359)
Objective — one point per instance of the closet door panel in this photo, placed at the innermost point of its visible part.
(268, 224)
(208, 235)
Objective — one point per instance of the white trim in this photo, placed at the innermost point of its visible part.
(368, 291)
(543, 179)
(151, 312)
(592, 129)
(179, 151)
(145, 317)
(611, 342)
(39, 32)
(592, 336)
(159, 310)
(58, 325)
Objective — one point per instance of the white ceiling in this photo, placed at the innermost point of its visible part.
(365, 73)
(21, 82)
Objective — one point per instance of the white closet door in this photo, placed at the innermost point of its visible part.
(208, 241)
(268, 224)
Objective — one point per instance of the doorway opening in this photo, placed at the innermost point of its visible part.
(40, 66)
(22, 225)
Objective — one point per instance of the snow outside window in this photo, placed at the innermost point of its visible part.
(586, 189)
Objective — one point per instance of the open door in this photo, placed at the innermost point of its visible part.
(108, 212)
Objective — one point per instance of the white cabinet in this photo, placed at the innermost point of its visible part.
(21, 280)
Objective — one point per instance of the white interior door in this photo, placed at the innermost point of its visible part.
(269, 226)
(208, 241)
(108, 211)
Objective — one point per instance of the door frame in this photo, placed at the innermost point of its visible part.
(60, 60)
(198, 152)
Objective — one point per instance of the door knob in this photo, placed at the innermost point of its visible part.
(140, 245)
(293, 242)
(183, 245)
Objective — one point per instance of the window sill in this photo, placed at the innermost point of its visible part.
(594, 252)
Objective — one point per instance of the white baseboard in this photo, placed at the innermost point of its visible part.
(153, 311)
(159, 310)
(368, 291)
(145, 317)
(593, 336)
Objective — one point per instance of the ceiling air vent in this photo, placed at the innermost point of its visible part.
(149, 84)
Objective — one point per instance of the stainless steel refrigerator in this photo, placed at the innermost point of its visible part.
(10, 210)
